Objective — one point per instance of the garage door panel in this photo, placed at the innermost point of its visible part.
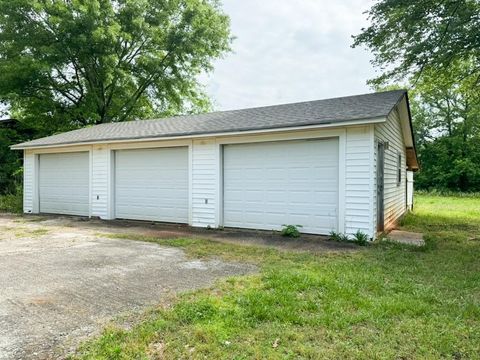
(274, 219)
(267, 185)
(325, 198)
(152, 184)
(64, 183)
(144, 194)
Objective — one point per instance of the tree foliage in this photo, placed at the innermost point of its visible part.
(71, 63)
(408, 36)
(434, 46)
(446, 114)
(11, 132)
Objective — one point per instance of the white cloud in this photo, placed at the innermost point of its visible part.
(288, 51)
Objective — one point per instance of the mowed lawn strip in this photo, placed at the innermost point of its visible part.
(384, 301)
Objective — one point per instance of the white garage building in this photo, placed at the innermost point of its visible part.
(337, 164)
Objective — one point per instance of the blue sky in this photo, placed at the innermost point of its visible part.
(288, 51)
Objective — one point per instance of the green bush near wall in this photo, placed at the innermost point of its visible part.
(13, 202)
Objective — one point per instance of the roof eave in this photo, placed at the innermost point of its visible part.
(412, 160)
(415, 165)
(206, 135)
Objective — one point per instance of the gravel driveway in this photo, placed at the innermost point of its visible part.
(60, 284)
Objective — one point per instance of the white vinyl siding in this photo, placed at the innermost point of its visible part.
(205, 165)
(358, 181)
(394, 192)
(374, 181)
(152, 184)
(270, 184)
(101, 182)
(29, 182)
(64, 183)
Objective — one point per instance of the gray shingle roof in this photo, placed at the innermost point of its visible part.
(337, 110)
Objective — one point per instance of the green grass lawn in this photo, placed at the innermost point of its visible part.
(385, 301)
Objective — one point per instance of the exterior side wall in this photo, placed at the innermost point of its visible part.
(359, 212)
(206, 203)
(394, 192)
(29, 181)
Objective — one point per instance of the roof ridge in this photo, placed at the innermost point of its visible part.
(273, 105)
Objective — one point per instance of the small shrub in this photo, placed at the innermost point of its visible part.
(12, 203)
(334, 236)
(339, 237)
(344, 237)
(291, 231)
(360, 238)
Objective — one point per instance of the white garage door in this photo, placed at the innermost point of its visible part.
(270, 184)
(152, 184)
(64, 183)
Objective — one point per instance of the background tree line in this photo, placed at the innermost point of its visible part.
(67, 64)
(432, 47)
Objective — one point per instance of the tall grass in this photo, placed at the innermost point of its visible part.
(448, 193)
(12, 203)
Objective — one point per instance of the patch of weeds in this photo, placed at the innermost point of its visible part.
(29, 219)
(12, 203)
(39, 232)
(203, 248)
(360, 238)
(447, 194)
(291, 231)
(339, 237)
(22, 232)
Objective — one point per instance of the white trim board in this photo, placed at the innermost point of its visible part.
(361, 122)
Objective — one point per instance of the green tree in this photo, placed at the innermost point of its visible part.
(10, 161)
(408, 36)
(71, 63)
(446, 117)
(11, 132)
(434, 45)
